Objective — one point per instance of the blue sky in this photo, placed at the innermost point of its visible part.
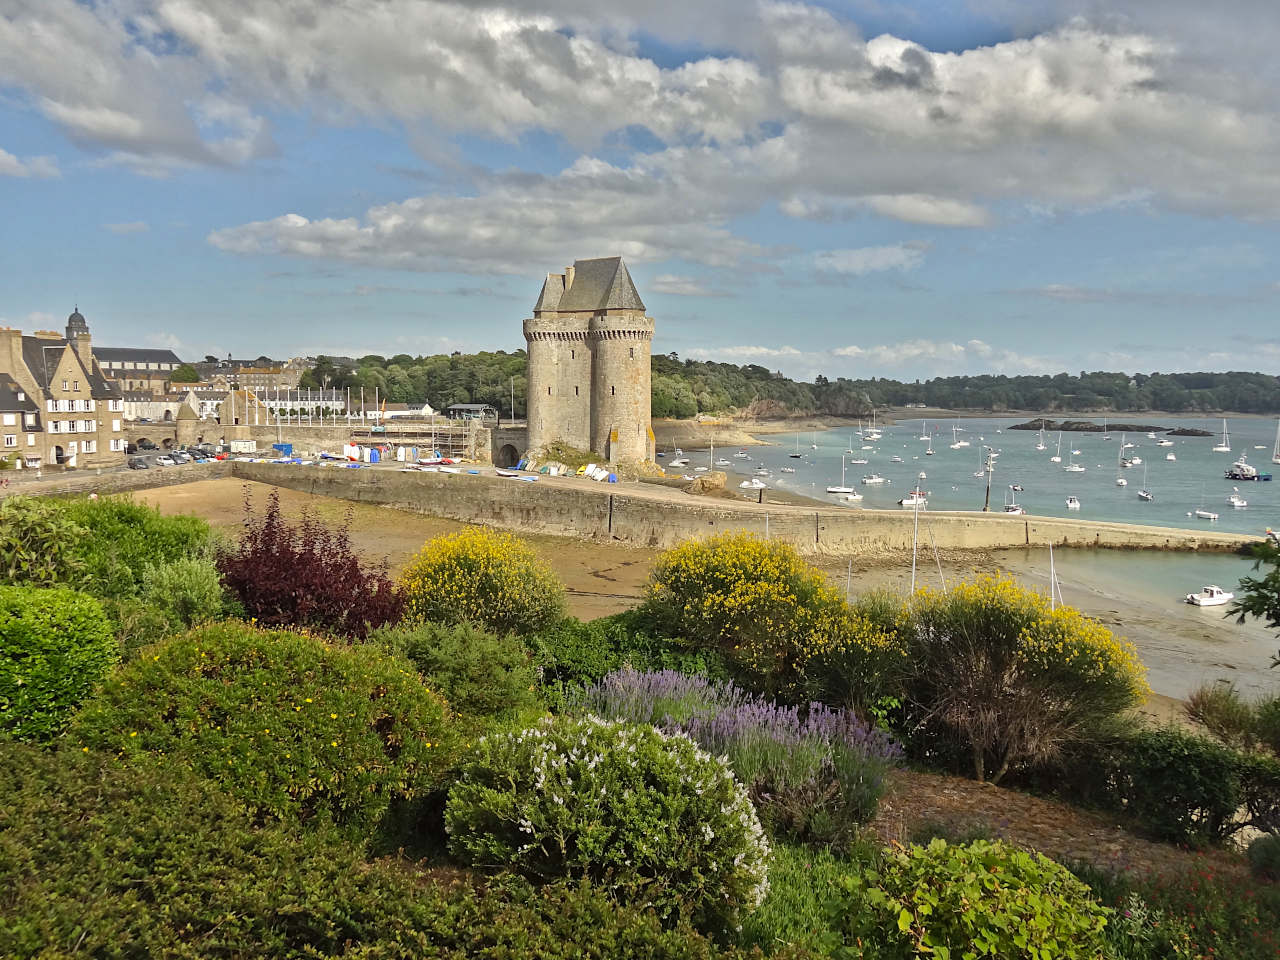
(858, 188)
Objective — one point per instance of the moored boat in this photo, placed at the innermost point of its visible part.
(1210, 596)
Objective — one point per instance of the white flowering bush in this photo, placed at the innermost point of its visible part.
(651, 817)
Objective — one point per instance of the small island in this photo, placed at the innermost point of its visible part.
(1088, 426)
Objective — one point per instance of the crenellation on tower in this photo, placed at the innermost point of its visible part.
(589, 342)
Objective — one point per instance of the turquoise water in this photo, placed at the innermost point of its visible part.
(1139, 595)
(1195, 478)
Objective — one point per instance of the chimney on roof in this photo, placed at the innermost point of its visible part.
(568, 277)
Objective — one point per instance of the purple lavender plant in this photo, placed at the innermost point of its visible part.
(814, 772)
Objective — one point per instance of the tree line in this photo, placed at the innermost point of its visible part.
(685, 388)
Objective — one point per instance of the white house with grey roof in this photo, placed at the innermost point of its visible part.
(589, 380)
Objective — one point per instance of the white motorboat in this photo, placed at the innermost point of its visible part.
(1164, 442)
(1210, 596)
(1151, 434)
(980, 474)
(741, 455)
(1135, 461)
(722, 462)
(853, 496)
(914, 499)
(868, 446)
(872, 479)
(895, 459)
(678, 462)
(753, 483)
(842, 488)
(1170, 457)
(701, 469)
(1073, 503)
(1121, 482)
(788, 469)
(861, 460)
(1204, 514)
(1057, 457)
(1224, 445)
(1236, 500)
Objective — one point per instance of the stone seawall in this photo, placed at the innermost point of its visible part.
(653, 517)
(117, 481)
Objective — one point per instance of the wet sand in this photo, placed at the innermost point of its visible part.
(1181, 647)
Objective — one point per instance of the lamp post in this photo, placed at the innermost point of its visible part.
(986, 506)
(915, 535)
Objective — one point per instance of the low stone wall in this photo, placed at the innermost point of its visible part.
(632, 514)
(116, 481)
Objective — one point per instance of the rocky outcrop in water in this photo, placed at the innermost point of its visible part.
(1089, 426)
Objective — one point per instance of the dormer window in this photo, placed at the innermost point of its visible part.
(21, 395)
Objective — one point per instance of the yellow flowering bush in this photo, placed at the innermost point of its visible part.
(867, 661)
(999, 676)
(292, 727)
(483, 577)
(751, 599)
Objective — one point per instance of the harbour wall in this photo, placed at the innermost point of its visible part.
(659, 518)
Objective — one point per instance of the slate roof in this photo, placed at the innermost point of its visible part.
(600, 284)
(9, 401)
(134, 355)
(41, 355)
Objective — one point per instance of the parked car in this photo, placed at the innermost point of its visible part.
(180, 456)
(164, 460)
(138, 463)
(130, 448)
(146, 445)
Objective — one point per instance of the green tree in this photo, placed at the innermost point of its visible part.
(1260, 596)
(185, 374)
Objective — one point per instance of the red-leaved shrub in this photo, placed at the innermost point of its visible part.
(306, 575)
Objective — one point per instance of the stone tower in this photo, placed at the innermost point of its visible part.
(589, 379)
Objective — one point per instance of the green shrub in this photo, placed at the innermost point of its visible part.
(479, 674)
(1267, 723)
(123, 538)
(754, 601)
(39, 543)
(1201, 912)
(55, 646)
(978, 900)
(1227, 716)
(144, 861)
(1264, 857)
(293, 727)
(572, 652)
(804, 886)
(187, 590)
(999, 678)
(650, 817)
(483, 577)
(138, 625)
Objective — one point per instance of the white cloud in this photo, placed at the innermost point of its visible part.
(942, 357)
(681, 286)
(863, 260)
(522, 223)
(39, 167)
(123, 229)
(745, 352)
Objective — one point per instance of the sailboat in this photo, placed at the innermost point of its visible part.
(929, 452)
(797, 455)
(873, 433)
(1057, 457)
(842, 488)
(956, 442)
(1040, 443)
(1275, 454)
(1074, 467)
(849, 450)
(1224, 445)
(1105, 435)
(981, 472)
(1011, 504)
(924, 433)
(813, 444)
(1144, 493)
(1120, 481)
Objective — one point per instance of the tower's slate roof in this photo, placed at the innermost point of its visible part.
(552, 291)
(600, 284)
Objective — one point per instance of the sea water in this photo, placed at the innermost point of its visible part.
(1195, 479)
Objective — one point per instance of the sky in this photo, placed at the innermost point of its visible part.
(854, 188)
